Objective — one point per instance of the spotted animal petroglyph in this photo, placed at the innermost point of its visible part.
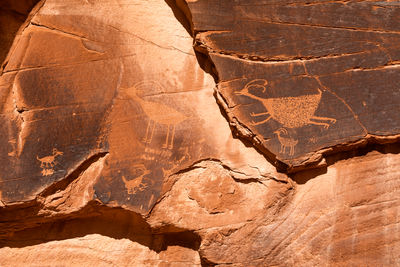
(157, 113)
(286, 141)
(136, 184)
(47, 163)
(291, 112)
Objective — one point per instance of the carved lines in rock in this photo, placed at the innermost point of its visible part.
(48, 163)
(157, 113)
(290, 112)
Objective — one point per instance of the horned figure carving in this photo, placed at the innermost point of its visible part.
(291, 112)
(157, 113)
(49, 161)
(286, 141)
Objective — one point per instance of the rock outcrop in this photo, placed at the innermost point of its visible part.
(301, 80)
(187, 133)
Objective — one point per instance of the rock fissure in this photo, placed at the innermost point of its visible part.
(74, 174)
(353, 29)
(201, 47)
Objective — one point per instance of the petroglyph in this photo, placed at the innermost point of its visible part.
(159, 153)
(47, 163)
(312, 140)
(157, 113)
(291, 112)
(136, 184)
(286, 141)
(47, 172)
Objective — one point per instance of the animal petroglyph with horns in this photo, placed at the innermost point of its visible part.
(291, 112)
(286, 141)
(157, 113)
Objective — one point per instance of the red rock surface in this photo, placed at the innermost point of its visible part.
(301, 78)
(127, 135)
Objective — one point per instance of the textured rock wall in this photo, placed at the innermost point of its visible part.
(186, 133)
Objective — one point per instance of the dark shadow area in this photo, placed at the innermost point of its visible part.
(13, 14)
(14, 218)
(93, 219)
(302, 177)
(187, 239)
(206, 64)
(115, 223)
(181, 13)
(389, 148)
(206, 263)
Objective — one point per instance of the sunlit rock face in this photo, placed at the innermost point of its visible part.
(302, 79)
(187, 133)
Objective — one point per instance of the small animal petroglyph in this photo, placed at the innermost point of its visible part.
(157, 113)
(286, 141)
(291, 112)
(132, 186)
(47, 172)
(47, 163)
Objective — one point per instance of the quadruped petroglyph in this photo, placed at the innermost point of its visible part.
(157, 113)
(291, 112)
(136, 184)
(47, 163)
(286, 141)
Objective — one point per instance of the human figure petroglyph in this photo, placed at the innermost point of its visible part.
(157, 113)
(291, 112)
(286, 141)
(132, 186)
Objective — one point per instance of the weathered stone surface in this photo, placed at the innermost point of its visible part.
(116, 150)
(97, 250)
(108, 98)
(301, 78)
(340, 218)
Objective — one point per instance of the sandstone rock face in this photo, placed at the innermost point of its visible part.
(303, 78)
(188, 133)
